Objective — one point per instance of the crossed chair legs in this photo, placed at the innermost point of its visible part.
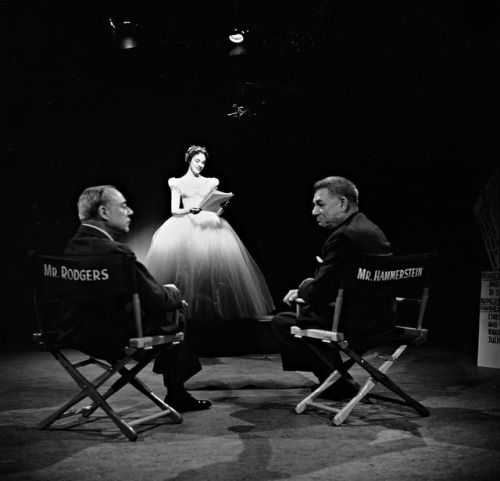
(90, 389)
(376, 375)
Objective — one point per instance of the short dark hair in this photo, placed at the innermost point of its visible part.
(90, 200)
(193, 150)
(339, 186)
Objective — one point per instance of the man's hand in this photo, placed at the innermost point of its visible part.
(174, 288)
(291, 296)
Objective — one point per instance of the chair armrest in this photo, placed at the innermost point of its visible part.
(414, 335)
(321, 334)
(412, 331)
(150, 341)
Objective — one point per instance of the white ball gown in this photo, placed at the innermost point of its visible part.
(204, 257)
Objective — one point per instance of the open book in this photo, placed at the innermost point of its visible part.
(212, 202)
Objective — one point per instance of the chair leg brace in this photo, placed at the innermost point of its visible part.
(128, 376)
(379, 376)
(331, 379)
(376, 375)
(89, 389)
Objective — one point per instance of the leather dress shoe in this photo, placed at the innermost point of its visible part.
(188, 403)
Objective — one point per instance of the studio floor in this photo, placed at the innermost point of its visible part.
(252, 432)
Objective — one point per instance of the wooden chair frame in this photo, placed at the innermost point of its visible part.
(50, 286)
(363, 276)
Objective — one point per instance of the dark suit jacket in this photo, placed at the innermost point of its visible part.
(106, 333)
(362, 316)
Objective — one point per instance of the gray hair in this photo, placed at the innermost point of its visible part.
(90, 200)
(337, 186)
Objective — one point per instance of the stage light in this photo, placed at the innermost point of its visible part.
(239, 40)
(237, 35)
(125, 33)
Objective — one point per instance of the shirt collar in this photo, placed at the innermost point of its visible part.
(347, 219)
(99, 229)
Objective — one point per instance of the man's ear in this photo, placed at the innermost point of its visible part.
(102, 211)
(344, 203)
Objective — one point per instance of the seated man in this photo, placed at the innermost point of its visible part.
(351, 234)
(104, 216)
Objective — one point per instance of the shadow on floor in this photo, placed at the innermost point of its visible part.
(252, 432)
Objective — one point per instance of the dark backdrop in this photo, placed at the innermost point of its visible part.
(401, 97)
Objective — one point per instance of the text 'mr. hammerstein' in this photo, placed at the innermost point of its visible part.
(393, 275)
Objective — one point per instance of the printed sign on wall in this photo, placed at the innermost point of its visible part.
(488, 354)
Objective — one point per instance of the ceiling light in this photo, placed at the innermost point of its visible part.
(125, 33)
(237, 35)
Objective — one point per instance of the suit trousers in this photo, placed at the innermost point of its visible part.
(295, 354)
(180, 362)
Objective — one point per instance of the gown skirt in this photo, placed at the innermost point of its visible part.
(204, 257)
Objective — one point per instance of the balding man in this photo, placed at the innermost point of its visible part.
(105, 216)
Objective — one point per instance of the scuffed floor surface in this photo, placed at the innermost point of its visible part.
(252, 432)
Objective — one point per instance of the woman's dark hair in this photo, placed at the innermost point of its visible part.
(193, 150)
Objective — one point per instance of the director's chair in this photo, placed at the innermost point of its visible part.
(92, 288)
(406, 279)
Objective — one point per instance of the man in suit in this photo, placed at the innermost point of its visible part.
(105, 216)
(364, 320)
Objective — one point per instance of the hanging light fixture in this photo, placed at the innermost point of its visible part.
(125, 33)
(238, 38)
(237, 35)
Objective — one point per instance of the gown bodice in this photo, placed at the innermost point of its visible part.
(192, 195)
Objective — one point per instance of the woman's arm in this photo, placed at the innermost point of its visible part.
(175, 202)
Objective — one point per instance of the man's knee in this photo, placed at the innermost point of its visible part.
(282, 322)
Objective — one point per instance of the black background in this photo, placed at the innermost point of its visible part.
(401, 97)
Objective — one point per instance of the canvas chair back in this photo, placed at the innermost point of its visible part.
(93, 287)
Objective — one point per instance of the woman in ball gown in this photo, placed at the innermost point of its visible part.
(199, 251)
